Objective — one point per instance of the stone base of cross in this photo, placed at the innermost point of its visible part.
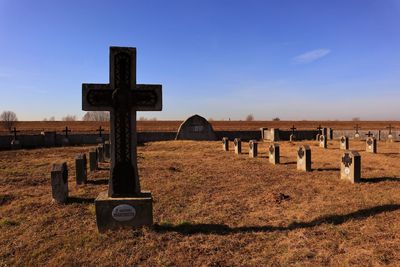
(124, 205)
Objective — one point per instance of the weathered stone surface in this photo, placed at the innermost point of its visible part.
(350, 166)
(80, 169)
(225, 144)
(253, 148)
(274, 154)
(344, 143)
(59, 182)
(93, 165)
(196, 128)
(322, 141)
(371, 145)
(124, 212)
(238, 146)
(304, 158)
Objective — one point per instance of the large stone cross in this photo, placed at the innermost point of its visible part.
(122, 97)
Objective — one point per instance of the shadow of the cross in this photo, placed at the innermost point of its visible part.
(97, 182)
(80, 200)
(380, 179)
(222, 229)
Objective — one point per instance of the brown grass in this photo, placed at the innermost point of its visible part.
(211, 208)
(30, 127)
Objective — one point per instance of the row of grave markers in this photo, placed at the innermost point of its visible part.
(59, 172)
(350, 166)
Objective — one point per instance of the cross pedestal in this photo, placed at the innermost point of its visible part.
(124, 205)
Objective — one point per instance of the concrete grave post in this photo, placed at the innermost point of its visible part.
(225, 144)
(317, 137)
(322, 141)
(274, 132)
(124, 205)
(253, 148)
(93, 166)
(292, 137)
(107, 150)
(274, 155)
(100, 153)
(371, 145)
(59, 182)
(304, 158)
(80, 169)
(344, 143)
(238, 146)
(350, 166)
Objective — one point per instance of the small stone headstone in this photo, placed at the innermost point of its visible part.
(344, 143)
(107, 150)
(253, 151)
(225, 144)
(238, 146)
(274, 155)
(93, 166)
(390, 138)
(292, 138)
(80, 169)
(100, 153)
(59, 182)
(322, 141)
(357, 136)
(317, 137)
(304, 158)
(15, 144)
(371, 144)
(350, 166)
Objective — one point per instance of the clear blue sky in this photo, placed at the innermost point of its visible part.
(298, 59)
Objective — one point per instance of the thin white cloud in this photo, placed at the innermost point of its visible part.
(311, 56)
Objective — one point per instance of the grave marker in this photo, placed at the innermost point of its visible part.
(274, 155)
(238, 146)
(322, 141)
(107, 150)
(93, 166)
(357, 134)
(293, 135)
(100, 138)
(344, 143)
(253, 148)
(390, 135)
(370, 143)
(122, 97)
(80, 169)
(225, 143)
(65, 140)
(15, 143)
(59, 182)
(100, 153)
(304, 158)
(350, 166)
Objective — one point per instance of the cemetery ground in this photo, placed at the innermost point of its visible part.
(210, 208)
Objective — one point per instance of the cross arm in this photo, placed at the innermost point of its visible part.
(147, 97)
(96, 97)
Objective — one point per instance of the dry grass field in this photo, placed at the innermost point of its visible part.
(30, 127)
(211, 208)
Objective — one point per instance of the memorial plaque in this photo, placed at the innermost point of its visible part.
(371, 145)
